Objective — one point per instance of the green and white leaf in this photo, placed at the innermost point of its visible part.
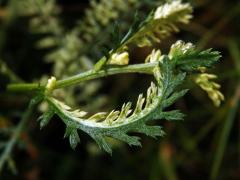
(117, 124)
(169, 73)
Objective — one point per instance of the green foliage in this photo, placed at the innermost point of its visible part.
(41, 39)
(169, 72)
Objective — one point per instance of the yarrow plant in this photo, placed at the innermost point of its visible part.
(168, 70)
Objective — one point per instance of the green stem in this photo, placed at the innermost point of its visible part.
(146, 68)
(7, 151)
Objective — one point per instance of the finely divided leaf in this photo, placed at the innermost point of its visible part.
(188, 58)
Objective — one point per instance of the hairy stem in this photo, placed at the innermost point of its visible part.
(146, 68)
(8, 149)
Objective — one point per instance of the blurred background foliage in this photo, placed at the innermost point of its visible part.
(64, 37)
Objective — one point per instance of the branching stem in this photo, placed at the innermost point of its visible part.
(146, 68)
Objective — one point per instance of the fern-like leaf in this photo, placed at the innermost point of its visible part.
(118, 123)
(190, 59)
(115, 124)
